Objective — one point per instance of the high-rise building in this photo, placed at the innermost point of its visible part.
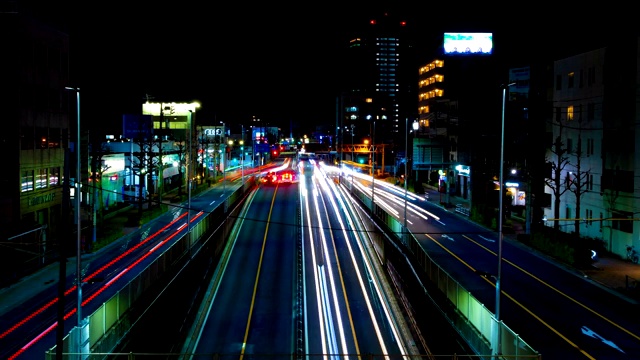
(379, 81)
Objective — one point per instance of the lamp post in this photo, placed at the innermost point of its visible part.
(189, 177)
(373, 165)
(242, 156)
(230, 144)
(415, 125)
(78, 221)
(406, 153)
(352, 127)
(223, 164)
(498, 347)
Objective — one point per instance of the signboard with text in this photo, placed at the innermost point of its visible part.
(137, 126)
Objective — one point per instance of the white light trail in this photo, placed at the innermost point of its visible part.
(333, 194)
(316, 275)
(328, 266)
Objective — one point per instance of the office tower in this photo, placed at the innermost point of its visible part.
(379, 81)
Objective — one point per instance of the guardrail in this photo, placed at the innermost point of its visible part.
(467, 314)
(462, 210)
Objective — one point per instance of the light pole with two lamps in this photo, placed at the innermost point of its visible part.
(498, 344)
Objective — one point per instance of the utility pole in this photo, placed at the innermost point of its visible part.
(160, 178)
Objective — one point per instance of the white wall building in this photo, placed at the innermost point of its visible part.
(595, 102)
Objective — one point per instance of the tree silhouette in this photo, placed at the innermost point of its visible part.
(578, 181)
(145, 160)
(98, 151)
(557, 163)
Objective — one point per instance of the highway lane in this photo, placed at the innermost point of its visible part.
(296, 281)
(348, 264)
(558, 312)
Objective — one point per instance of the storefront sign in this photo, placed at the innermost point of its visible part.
(463, 170)
(37, 200)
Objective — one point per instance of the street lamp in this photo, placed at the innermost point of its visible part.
(242, 155)
(406, 153)
(78, 221)
(373, 162)
(223, 164)
(189, 177)
(352, 127)
(415, 125)
(498, 347)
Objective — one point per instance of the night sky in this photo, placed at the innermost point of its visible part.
(279, 61)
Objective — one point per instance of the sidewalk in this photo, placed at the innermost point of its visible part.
(617, 275)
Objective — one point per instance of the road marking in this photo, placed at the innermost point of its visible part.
(486, 239)
(445, 236)
(591, 333)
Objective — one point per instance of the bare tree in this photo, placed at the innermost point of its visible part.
(98, 167)
(182, 157)
(144, 162)
(559, 161)
(578, 183)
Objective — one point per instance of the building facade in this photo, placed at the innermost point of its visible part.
(593, 147)
(35, 137)
(378, 85)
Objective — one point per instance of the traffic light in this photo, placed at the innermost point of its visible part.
(274, 153)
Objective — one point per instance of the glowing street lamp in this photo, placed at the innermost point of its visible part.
(415, 125)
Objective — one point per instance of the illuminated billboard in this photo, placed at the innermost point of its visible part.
(468, 43)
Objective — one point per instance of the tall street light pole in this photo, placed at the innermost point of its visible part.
(373, 165)
(78, 220)
(352, 127)
(498, 347)
(415, 125)
(223, 154)
(189, 177)
(242, 153)
(406, 152)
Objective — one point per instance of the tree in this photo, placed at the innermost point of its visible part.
(204, 143)
(182, 157)
(554, 182)
(145, 160)
(579, 181)
(98, 167)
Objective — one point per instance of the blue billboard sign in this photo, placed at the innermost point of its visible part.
(137, 126)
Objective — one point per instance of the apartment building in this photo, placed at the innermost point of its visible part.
(592, 147)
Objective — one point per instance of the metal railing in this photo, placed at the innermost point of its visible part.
(462, 210)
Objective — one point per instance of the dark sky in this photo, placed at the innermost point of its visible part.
(278, 61)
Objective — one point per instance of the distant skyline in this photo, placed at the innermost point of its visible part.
(273, 61)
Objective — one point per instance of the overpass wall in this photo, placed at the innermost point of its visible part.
(470, 318)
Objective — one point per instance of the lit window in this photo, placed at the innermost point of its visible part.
(27, 180)
(41, 179)
(570, 112)
(54, 176)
